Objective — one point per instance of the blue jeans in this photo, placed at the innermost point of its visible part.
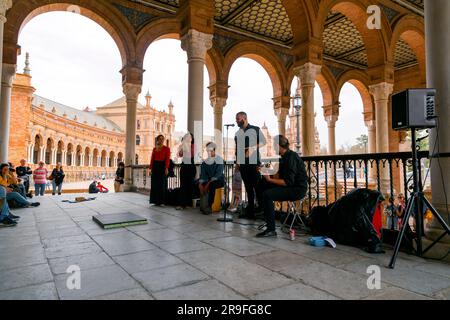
(39, 189)
(56, 186)
(18, 198)
(4, 210)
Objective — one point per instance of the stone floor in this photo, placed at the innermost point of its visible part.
(185, 255)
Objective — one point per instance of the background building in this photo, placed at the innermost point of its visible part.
(88, 143)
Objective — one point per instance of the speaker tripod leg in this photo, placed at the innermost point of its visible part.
(409, 209)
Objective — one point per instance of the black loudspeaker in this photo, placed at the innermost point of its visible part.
(414, 108)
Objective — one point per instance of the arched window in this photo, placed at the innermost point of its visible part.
(139, 125)
(137, 159)
(138, 140)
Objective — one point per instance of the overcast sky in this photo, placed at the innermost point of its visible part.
(74, 61)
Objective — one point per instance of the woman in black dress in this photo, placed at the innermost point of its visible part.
(187, 171)
(159, 169)
(120, 175)
(58, 178)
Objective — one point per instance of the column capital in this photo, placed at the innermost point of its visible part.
(218, 104)
(132, 75)
(331, 113)
(5, 5)
(8, 74)
(196, 44)
(282, 102)
(307, 73)
(218, 95)
(381, 91)
(132, 91)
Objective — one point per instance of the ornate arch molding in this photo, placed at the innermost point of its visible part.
(101, 12)
(265, 57)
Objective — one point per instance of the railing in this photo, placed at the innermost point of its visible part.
(331, 177)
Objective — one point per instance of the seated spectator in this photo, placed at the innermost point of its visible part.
(23, 173)
(211, 176)
(93, 187)
(16, 184)
(102, 188)
(290, 184)
(6, 219)
(6, 181)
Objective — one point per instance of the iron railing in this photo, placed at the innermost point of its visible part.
(331, 177)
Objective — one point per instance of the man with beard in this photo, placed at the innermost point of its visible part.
(248, 140)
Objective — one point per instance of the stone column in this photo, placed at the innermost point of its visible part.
(30, 153)
(196, 44)
(64, 158)
(369, 120)
(54, 156)
(218, 104)
(307, 74)
(132, 92)
(281, 107)
(218, 95)
(381, 93)
(74, 159)
(437, 24)
(8, 73)
(91, 160)
(82, 160)
(5, 106)
(331, 114)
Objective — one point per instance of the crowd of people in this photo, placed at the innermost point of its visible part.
(288, 184)
(15, 190)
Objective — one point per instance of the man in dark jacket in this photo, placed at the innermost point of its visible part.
(248, 140)
(289, 184)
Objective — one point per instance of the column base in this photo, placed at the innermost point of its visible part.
(434, 230)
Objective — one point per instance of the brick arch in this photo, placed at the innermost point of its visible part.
(360, 80)
(100, 12)
(169, 28)
(301, 14)
(412, 30)
(376, 42)
(265, 57)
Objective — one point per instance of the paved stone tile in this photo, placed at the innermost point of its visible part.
(442, 269)
(85, 262)
(208, 234)
(405, 277)
(298, 246)
(66, 241)
(46, 291)
(19, 241)
(169, 277)
(96, 282)
(338, 282)
(23, 231)
(239, 246)
(332, 256)
(393, 293)
(22, 256)
(277, 260)
(183, 245)
(204, 290)
(146, 260)
(151, 225)
(132, 294)
(72, 250)
(61, 232)
(159, 235)
(189, 228)
(235, 272)
(122, 243)
(296, 291)
(25, 276)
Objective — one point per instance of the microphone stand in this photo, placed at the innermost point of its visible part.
(226, 187)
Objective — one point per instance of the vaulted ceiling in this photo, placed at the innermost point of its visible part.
(268, 20)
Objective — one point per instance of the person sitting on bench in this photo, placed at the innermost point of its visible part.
(93, 188)
(290, 184)
(101, 188)
(211, 176)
